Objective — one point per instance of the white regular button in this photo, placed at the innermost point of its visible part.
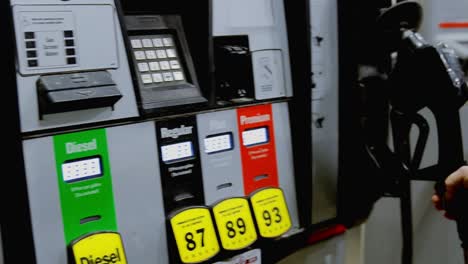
(171, 53)
(147, 43)
(154, 66)
(146, 78)
(158, 42)
(143, 67)
(140, 55)
(165, 65)
(162, 54)
(157, 78)
(168, 77)
(136, 44)
(167, 42)
(150, 54)
(178, 76)
(175, 65)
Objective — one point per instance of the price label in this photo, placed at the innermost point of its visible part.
(195, 235)
(99, 248)
(271, 212)
(235, 223)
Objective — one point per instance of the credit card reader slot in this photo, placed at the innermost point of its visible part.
(59, 93)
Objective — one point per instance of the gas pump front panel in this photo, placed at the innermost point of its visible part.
(220, 155)
(72, 64)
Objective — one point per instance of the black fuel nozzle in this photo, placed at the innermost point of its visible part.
(427, 76)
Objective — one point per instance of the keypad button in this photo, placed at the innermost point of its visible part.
(69, 43)
(165, 65)
(168, 42)
(175, 65)
(71, 60)
(30, 45)
(151, 55)
(178, 76)
(31, 53)
(29, 35)
(33, 63)
(162, 54)
(68, 34)
(158, 78)
(171, 53)
(146, 78)
(168, 77)
(147, 43)
(70, 52)
(140, 55)
(136, 44)
(154, 66)
(143, 67)
(157, 42)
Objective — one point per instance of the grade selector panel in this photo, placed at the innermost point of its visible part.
(220, 155)
(258, 149)
(180, 163)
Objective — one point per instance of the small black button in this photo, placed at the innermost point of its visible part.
(32, 63)
(68, 34)
(70, 52)
(69, 43)
(32, 54)
(29, 35)
(30, 44)
(71, 60)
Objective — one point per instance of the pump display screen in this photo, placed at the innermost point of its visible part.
(177, 151)
(256, 136)
(82, 169)
(218, 143)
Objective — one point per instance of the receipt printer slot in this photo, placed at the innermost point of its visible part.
(76, 91)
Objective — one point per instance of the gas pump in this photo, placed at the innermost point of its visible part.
(121, 153)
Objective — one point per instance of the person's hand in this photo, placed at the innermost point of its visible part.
(455, 182)
(456, 201)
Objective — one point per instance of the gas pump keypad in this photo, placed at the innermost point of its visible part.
(157, 60)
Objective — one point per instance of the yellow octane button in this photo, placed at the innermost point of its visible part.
(195, 235)
(235, 223)
(271, 212)
(106, 247)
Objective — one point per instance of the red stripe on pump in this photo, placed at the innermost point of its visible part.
(448, 25)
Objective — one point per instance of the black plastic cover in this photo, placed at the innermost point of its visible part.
(234, 72)
(76, 91)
